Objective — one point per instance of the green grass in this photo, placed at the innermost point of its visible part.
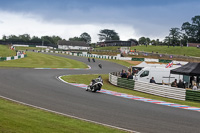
(85, 79)
(6, 52)
(28, 48)
(188, 51)
(17, 118)
(35, 60)
(121, 62)
(177, 50)
(106, 53)
(108, 48)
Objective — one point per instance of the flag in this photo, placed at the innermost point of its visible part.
(169, 65)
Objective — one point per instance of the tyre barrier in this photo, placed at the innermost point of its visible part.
(13, 57)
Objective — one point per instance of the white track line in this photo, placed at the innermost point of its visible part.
(127, 130)
(71, 116)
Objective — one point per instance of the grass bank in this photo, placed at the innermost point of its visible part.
(17, 118)
(85, 79)
(108, 48)
(177, 50)
(6, 52)
(39, 60)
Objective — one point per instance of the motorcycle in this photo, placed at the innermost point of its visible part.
(95, 85)
(93, 59)
(88, 59)
(100, 66)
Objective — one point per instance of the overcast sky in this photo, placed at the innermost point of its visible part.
(70, 18)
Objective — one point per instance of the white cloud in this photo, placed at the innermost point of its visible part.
(20, 24)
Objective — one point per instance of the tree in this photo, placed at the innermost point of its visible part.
(47, 40)
(24, 37)
(107, 34)
(192, 30)
(148, 40)
(36, 39)
(4, 38)
(175, 35)
(86, 37)
(55, 39)
(13, 38)
(142, 40)
(76, 39)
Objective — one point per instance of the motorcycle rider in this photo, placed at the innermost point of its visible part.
(93, 59)
(99, 79)
(100, 66)
(88, 59)
(93, 81)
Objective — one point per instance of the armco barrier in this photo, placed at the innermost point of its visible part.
(112, 79)
(121, 82)
(137, 59)
(160, 90)
(193, 95)
(150, 88)
(164, 61)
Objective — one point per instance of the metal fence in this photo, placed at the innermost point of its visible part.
(150, 88)
(160, 90)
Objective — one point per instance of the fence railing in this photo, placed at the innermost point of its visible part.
(160, 90)
(150, 88)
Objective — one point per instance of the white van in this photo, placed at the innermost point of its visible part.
(160, 74)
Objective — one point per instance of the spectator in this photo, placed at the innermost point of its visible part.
(174, 84)
(191, 81)
(181, 84)
(194, 88)
(123, 74)
(152, 80)
(198, 81)
(129, 76)
(135, 77)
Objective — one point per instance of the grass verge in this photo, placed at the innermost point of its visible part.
(28, 48)
(17, 118)
(108, 48)
(38, 60)
(188, 51)
(6, 52)
(121, 62)
(85, 79)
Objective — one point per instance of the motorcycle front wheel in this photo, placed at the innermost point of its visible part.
(87, 88)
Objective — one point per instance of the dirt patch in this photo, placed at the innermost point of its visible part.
(134, 62)
(138, 62)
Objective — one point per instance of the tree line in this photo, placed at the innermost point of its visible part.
(189, 32)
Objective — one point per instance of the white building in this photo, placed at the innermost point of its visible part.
(72, 45)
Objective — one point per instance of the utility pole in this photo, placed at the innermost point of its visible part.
(42, 44)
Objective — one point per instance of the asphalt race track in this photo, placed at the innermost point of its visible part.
(41, 88)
